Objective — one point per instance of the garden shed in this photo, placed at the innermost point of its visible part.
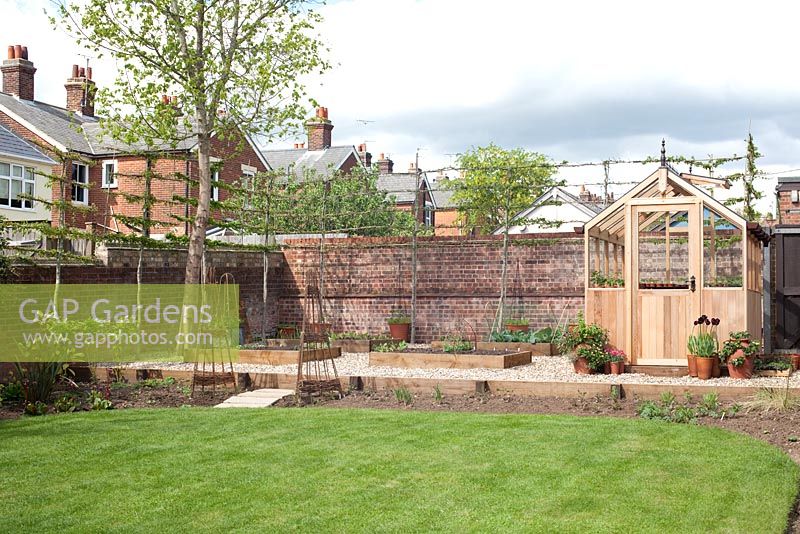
(662, 255)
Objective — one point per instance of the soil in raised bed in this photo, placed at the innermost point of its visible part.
(468, 352)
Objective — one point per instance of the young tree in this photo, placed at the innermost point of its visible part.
(235, 64)
(497, 184)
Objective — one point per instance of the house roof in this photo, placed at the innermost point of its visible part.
(442, 198)
(73, 132)
(557, 194)
(401, 185)
(787, 183)
(55, 125)
(17, 147)
(302, 159)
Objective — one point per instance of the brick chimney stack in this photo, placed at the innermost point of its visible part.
(80, 91)
(18, 73)
(366, 157)
(385, 165)
(319, 130)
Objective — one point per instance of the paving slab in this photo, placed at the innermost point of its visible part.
(259, 398)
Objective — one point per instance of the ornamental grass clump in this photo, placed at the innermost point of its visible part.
(703, 340)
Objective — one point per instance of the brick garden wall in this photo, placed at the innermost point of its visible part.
(458, 281)
(118, 266)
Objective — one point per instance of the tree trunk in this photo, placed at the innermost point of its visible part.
(197, 238)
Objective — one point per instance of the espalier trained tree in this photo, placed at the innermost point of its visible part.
(235, 67)
(496, 186)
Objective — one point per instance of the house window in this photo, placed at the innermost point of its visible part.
(110, 173)
(16, 180)
(80, 183)
(428, 214)
(214, 188)
(248, 183)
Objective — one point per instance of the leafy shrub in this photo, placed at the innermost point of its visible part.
(11, 393)
(593, 335)
(100, 401)
(67, 403)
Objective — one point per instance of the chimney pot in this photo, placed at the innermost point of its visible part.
(82, 73)
(381, 156)
(10, 51)
(74, 71)
(18, 74)
(17, 52)
(173, 100)
(164, 99)
(24, 52)
(89, 73)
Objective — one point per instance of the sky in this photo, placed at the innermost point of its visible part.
(576, 80)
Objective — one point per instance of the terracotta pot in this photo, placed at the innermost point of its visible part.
(705, 367)
(691, 358)
(740, 372)
(287, 332)
(607, 368)
(581, 366)
(400, 331)
(617, 368)
(517, 327)
(795, 361)
(716, 372)
(319, 328)
(749, 365)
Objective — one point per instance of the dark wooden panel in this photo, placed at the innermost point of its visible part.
(787, 285)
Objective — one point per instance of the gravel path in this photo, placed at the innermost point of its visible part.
(542, 369)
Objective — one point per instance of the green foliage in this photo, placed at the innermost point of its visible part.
(36, 408)
(517, 322)
(392, 346)
(403, 396)
(773, 365)
(596, 356)
(703, 341)
(100, 400)
(438, 397)
(598, 279)
(67, 403)
(497, 184)
(155, 383)
(399, 317)
(742, 335)
(545, 335)
(11, 393)
(358, 335)
(454, 343)
(38, 379)
(668, 409)
(750, 190)
(593, 335)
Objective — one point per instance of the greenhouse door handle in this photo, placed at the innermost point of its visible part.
(692, 284)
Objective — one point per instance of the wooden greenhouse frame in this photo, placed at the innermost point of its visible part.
(651, 324)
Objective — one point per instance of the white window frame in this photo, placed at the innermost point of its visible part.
(214, 190)
(248, 182)
(85, 190)
(105, 184)
(428, 218)
(23, 180)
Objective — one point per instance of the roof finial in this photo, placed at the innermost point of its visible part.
(663, 152)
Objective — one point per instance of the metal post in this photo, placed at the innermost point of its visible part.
(766, 290)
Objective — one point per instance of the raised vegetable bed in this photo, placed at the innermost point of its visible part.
(284, 356)
(536, 349)
(446, 360)
(358, 345)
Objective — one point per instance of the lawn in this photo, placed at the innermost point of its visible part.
(361, 470)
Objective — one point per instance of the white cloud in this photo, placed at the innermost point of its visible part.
(577, 80)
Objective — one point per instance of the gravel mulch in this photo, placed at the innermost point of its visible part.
(541, 369)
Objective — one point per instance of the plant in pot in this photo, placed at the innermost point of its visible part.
(580, 338)
(743, 337)
(703, 346)
(616, 359)
(400, 325)
(795, 359)
(589, 359)
(740, 358)
(287, 331)
(517, 325)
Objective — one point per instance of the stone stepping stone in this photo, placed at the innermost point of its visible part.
(259, 398)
